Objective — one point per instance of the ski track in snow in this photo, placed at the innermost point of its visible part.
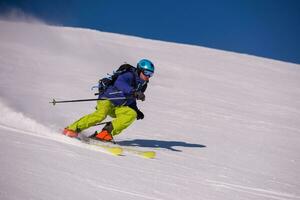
(117, 189)
(255, 191)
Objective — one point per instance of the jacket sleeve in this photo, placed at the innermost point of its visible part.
(124, 83)
(144, 87)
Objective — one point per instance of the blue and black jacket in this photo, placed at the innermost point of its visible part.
(125, 85)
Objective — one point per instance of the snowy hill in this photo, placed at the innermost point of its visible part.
(224, 125)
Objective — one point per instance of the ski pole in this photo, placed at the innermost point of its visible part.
(81, 100)
(101, 123)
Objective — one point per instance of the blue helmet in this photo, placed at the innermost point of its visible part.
(145, 65)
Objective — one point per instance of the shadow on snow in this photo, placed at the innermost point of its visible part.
(159, 144)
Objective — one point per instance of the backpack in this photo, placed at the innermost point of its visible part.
(105, 82)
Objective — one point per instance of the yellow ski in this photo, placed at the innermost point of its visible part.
(117, 149)
(144, 154)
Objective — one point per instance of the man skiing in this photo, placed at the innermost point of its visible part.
(119, 102)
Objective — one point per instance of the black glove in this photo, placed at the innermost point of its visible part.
(140, 115)
(139, 96)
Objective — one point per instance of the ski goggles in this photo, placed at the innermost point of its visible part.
(148, 73)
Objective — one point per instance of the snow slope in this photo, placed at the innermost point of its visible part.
(224, 125)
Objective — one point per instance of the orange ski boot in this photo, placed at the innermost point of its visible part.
(105, 136)
(70, 133)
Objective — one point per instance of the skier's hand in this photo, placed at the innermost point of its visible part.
(140, 96)
(140, 115)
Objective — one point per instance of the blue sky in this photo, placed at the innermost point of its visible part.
(267, 28)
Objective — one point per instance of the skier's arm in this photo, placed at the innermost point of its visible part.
(124, 84)
(144, 88)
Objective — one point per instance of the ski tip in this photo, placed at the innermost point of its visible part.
(148, 154)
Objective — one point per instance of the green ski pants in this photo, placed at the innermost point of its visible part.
(124, 116)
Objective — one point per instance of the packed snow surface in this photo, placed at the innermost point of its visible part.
(225, 126)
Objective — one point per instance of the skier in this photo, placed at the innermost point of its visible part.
(130, 85)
